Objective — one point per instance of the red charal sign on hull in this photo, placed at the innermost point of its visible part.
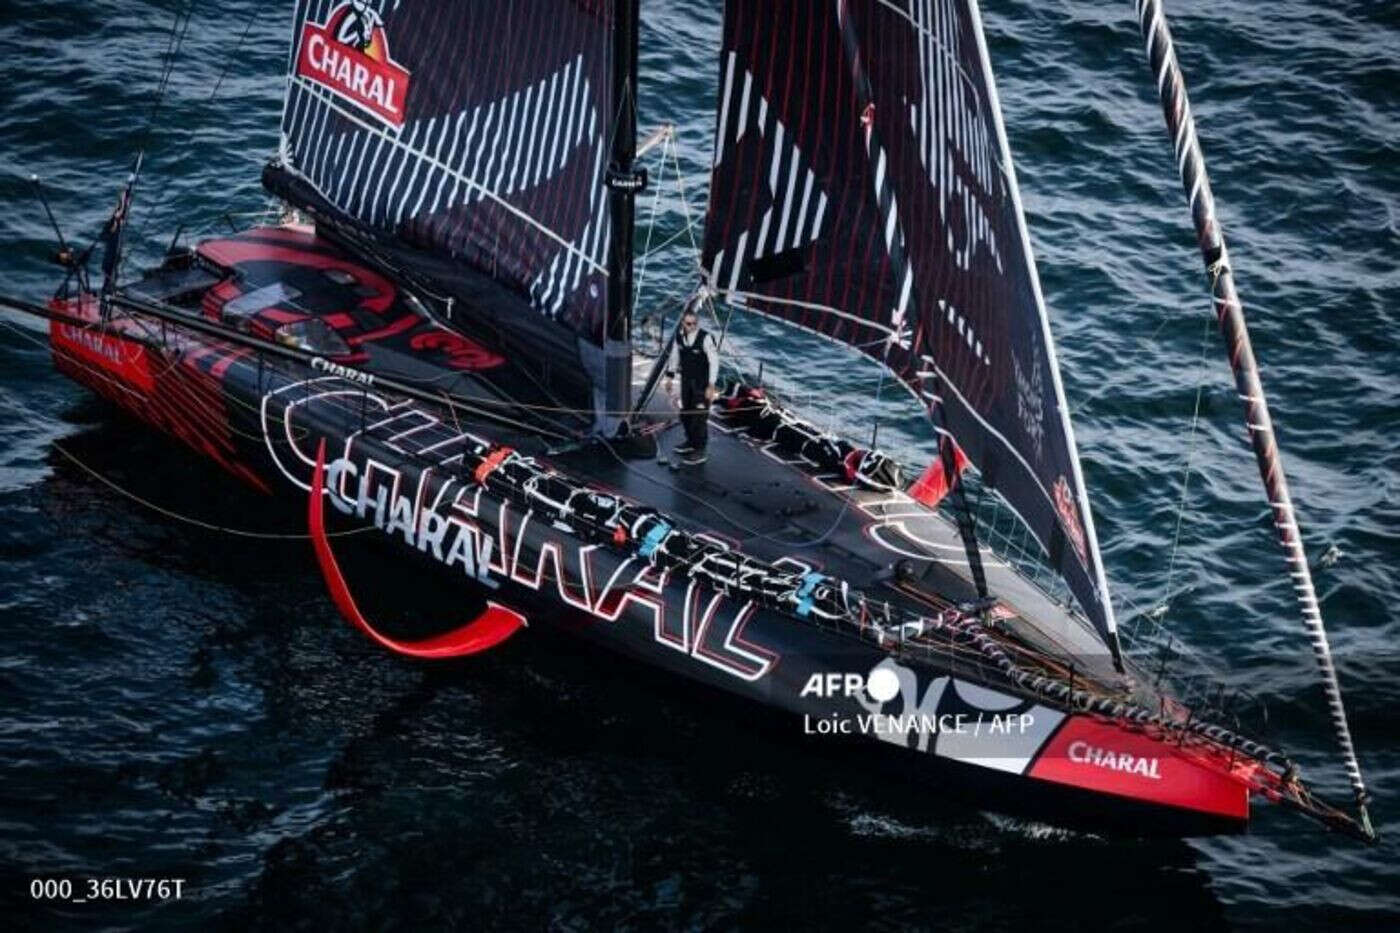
(1100, 755)
(349, 54)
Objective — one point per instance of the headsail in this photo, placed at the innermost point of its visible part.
(862, 188)
(477, 132)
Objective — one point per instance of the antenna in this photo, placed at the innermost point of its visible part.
(64, 255)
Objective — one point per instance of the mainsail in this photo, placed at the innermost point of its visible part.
(862, 188)
(472, 132)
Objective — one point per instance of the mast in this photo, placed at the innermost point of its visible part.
(1171, 85)
(623, 184)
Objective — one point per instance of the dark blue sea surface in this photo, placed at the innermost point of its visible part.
(180, 702)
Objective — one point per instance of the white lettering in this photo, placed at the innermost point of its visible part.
(1083, 753)
(336, 471)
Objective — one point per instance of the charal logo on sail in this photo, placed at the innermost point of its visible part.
(349, 53)
(1069, 519)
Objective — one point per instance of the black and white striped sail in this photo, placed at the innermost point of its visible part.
(862, 188)
(477, 131)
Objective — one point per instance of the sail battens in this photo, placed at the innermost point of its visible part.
(916, 252)
(468, 130)
(406, 152)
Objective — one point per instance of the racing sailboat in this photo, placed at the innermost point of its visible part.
(438, 343)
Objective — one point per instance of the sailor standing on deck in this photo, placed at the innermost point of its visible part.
(696, 355)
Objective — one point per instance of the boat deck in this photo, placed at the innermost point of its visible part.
(758, 499)
(750, 494)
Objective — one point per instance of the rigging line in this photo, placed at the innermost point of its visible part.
(175, 357)
(744, 297)
(1018, 521)
(685, 208)
(465, 405)
(1149, 340)
(47, 346)
(188, 520)
(202, 408)
(1097, 574)
(369, 249)
(651, 225)
(228, 63)
(1190, 453)
(992, 432)
(668, 241)
(174, 44)
(724, 330)
(1229, 312)
(179, 28)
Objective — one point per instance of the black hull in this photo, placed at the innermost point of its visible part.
(417, 474)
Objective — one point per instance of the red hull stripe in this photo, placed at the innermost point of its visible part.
(487, 630)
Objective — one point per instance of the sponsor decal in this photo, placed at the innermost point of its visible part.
(344, 372)
(1102, 756)
(1030, 404)
(1086, 754)
(1069, 518)
(127, 360)
(349, 54)
(450, 519)
(450, 543)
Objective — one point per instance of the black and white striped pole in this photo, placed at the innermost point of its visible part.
(1171, 86)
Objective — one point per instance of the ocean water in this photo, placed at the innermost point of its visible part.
(176, 702)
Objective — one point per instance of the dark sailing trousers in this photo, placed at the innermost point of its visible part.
(695, 414)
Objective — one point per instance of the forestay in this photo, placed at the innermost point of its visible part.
(862, 188)
(477, 131)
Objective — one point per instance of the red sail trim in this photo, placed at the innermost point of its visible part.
(935, 483)
(487, 630)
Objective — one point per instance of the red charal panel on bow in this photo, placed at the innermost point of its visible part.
(349, 53)
(98, 350)
(1101, 756)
